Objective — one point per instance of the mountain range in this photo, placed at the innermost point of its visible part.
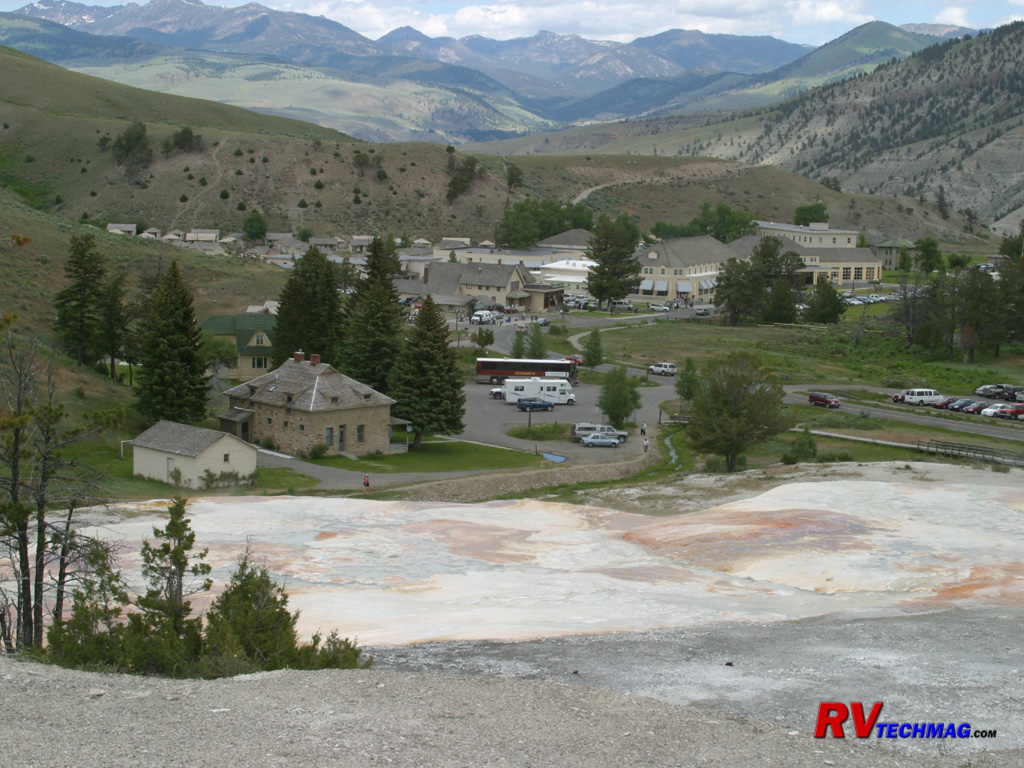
(437, 89)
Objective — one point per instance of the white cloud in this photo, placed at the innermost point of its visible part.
(621, 20)
(953, 14)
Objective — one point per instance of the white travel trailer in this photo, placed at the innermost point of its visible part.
(557, 391)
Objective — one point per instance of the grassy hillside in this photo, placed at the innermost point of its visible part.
(948, 117)
(299, 175)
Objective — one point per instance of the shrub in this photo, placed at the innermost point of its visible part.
(202, 181)
(318, 451)
(831, 457)
(224, 194)
(238, 152)
(268, 443)
(303, 203)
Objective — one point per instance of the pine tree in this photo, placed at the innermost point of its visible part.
(372, 322)
(250, 618)
(172, 380)
(78, 305)
(426, 380)
(309, 317)
(114, 321)
(164, 637)
(616, 273)
(781, 306)
(619, 396)
(593, 352)
(518, 346)
(535, 346)
(825, 304)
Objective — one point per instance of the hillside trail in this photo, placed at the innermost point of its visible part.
(587, 192)
(203, 191)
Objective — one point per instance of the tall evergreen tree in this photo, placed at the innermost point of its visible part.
(593, 351)
(616, 273)
(426, 380)
(536, 349)
(114, 321)
(620, 396)
(309, 317)
(372, 321)
(78, 305)
(172, 380)
(781, 305)
(825, 304)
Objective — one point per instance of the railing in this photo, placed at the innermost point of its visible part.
(996, 455)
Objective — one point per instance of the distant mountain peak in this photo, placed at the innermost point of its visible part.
(939, 30)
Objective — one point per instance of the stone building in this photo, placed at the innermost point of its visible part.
(305, 403)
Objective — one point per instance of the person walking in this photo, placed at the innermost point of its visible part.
(646, 445)
(643, 429)
(366, 482)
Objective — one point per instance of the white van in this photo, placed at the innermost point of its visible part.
(557, 391)
(622, 305)
(483, 317)
(921, 397)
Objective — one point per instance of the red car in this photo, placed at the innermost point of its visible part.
(1013, 411)
(578, 359)
(510, 310)
(944, 402)
(976, 408)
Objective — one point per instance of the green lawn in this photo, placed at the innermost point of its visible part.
(440, 456)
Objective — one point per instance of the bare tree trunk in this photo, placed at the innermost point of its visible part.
(62, 565)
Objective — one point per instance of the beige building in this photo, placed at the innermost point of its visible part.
(842, 266)
(458, 285)
(191, 457)
(681, 268)
(889, 252)
(305, 403)
(814, 235)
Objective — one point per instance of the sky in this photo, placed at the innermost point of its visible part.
(811, 22)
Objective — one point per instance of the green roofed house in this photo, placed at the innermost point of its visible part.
(252, 335)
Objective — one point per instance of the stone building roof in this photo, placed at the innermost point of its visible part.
(307, 386)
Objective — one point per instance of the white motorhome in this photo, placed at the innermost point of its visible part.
(557, 391)
(483, 317)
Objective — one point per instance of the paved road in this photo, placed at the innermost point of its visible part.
(922, 416)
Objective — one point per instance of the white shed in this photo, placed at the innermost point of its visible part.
(192, 457)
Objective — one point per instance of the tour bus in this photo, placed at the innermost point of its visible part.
(557, 391)
(496, 370)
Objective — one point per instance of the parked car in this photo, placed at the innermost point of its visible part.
(534, 404)
(824, 399)
(960, 404)
(659, 308)
(599, 440)
(663, 369)
(991, 390)
(702, 312)
(1012, 411)
(975, 408)
(944, 402)
(993, 409)
(510, 310)
(498, 393)
(581, 429)
(542, 321)
(578, 359)
(900, 396)
(921, 397)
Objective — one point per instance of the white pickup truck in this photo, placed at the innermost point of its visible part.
(663, 369)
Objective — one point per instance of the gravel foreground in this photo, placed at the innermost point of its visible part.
(58, 717)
